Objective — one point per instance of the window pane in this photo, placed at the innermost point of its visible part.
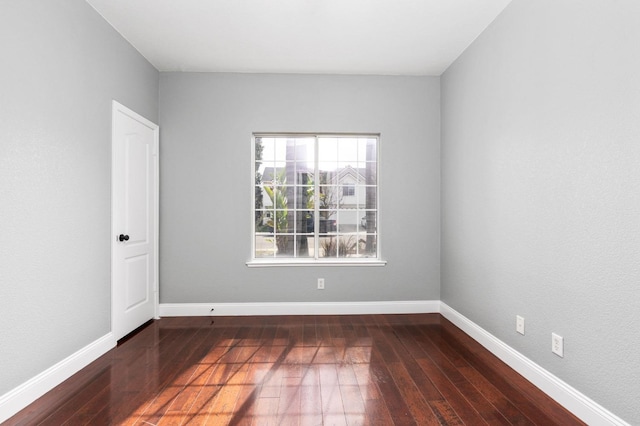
(303, 246)
(368, 222)
(258, 197)
(284, 245)
(305, 220)
(279, 151)
(348, 221)
(370, 174)
(311, 240)
(327, 223)
(273, 175)
(367, 149)
(305, 151)
(368, 195)
(303, 174)
(265, 246)
(262, 218)
(327, 149)
(350, 173)
(328, 172)
(368, 246)
(328, 246)
(365, 246)
(282, 221)
(271, 172)
(328, 197)
(348, 201)
(274, 197)
(347, 245)
(265, 149)
(348, 150)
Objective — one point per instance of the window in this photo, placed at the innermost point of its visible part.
(315, 199)
(348, 190)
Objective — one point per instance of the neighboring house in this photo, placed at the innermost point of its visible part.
(344, 190)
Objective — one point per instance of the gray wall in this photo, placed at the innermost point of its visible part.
(206, 177)
(62, 64)
(541, 189)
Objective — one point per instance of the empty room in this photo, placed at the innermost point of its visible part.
(320, 212)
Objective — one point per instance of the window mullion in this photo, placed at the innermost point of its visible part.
(295, 206)
(316, 200)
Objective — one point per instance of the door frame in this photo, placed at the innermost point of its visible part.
(118, 107)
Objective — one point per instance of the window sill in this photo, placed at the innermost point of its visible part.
(269, 263)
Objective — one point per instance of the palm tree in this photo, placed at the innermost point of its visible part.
(279, 221)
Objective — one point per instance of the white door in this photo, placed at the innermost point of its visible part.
(134, 254)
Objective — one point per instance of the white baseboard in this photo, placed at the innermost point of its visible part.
(579, 404)
(302, 308)
(23, 395)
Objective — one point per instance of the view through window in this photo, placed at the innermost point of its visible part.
(316, 197)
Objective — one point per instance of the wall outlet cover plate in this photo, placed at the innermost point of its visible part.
(557, 344)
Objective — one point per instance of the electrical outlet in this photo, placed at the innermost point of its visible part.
(557, 345)
(320, 283)
(520, 324)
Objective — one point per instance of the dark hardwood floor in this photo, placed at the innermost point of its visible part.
(297, 370)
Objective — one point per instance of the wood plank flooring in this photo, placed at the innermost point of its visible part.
(297, 370)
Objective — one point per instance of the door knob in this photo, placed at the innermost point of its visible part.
(123, 237)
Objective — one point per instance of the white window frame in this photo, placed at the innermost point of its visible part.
(316, 261)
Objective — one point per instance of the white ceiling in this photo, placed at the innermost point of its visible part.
(387, 37)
